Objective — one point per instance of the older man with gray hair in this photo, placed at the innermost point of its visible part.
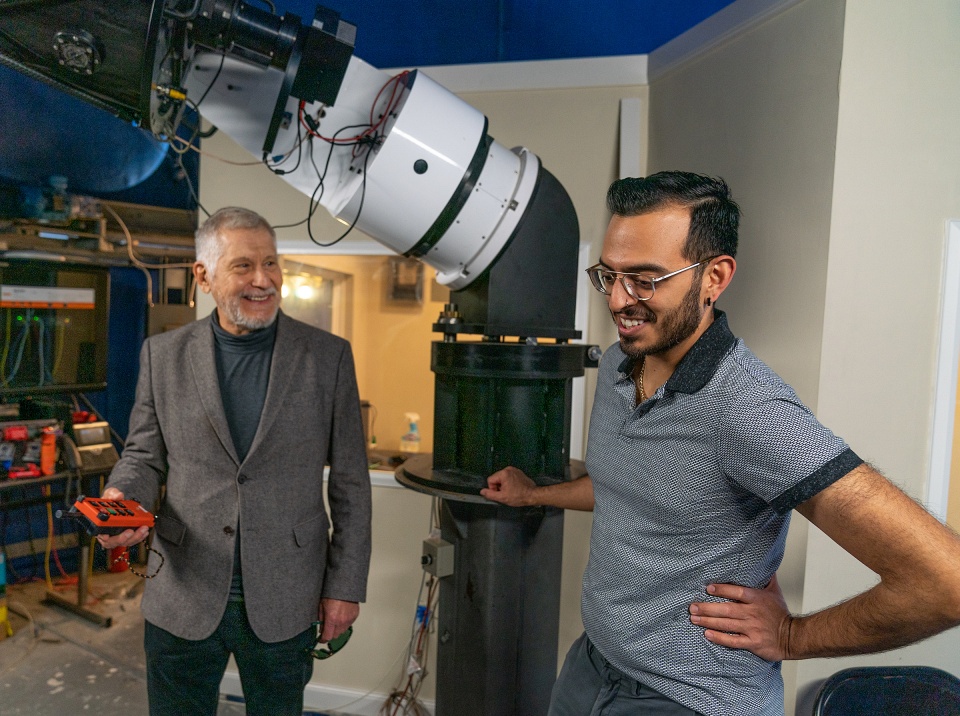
(236, 417)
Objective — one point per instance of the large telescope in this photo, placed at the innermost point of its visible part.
(414, 167)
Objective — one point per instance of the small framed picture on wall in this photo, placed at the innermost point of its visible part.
(405, 283)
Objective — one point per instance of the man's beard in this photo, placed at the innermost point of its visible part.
(233, 311)
(674, 327)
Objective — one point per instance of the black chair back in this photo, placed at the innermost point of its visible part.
(889, 691)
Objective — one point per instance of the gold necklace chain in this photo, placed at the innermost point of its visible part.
(643, 395)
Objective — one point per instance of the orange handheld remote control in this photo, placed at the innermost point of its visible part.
(108, 517)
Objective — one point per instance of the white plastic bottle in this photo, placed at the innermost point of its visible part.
(410, 440)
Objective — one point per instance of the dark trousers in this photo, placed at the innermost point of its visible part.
(588, 685)
(183, 676)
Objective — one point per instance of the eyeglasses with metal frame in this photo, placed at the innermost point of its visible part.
(638, 286)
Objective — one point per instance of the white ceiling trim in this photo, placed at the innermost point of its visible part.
(356, 243)
(540, 75)
(723, 26)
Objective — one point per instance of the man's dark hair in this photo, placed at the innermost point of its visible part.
(714, 216)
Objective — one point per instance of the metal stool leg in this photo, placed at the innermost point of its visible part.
(79, 607)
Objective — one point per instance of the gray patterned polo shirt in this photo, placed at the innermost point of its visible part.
(695, 486)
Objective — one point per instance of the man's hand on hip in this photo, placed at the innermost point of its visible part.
(754, 619)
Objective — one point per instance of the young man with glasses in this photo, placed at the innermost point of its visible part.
(697, 454)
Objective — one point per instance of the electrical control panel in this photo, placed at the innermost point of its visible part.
(437, 557)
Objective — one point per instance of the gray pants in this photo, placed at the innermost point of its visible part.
(589, 686)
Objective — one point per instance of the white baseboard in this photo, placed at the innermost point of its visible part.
(318, 697)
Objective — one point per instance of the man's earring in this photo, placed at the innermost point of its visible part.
(708, 300)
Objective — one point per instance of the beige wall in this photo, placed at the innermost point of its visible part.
(896, 184)
(761, 112)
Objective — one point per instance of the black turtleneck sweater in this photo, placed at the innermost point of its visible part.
(243, 370)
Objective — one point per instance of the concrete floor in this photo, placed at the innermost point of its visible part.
(60, 664)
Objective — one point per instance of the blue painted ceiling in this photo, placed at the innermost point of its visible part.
(419, 33)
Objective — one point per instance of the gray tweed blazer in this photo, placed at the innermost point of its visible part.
(179, 438)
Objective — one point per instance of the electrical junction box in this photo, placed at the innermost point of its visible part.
(437, 558)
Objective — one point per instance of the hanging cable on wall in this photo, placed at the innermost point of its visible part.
(404, 698)
(144, 267)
